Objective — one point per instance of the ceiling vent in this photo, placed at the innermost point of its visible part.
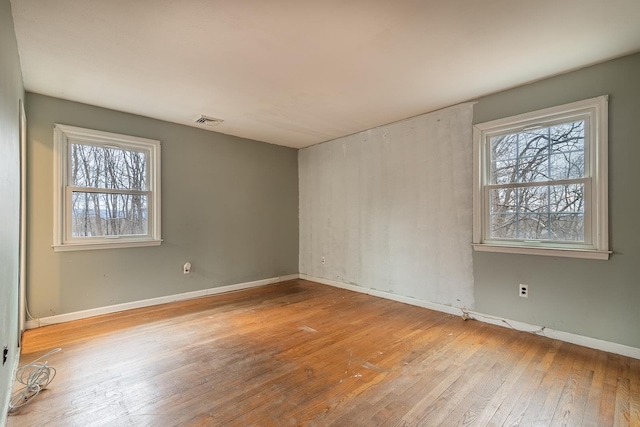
(208, 121)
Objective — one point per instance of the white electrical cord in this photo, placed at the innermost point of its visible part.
(469, 315)
(36, 376)
(26, 308)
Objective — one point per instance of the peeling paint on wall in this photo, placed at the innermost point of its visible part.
(391, 208)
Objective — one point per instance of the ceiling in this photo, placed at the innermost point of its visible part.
(300, 72)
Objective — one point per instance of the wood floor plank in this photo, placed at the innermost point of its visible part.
(634, 398)
(507, 388)
(474, 402)
(475, 353)
(517, 401)
(622, 415)
(301, 353)
(571, 400)
(583, 378)
(606, 414)
(545, 401)
(595, 392)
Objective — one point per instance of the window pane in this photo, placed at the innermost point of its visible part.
(503, 200)
(567, 137)
(503, 226)
(547, 212)
(104, 167)
(545, 154)
(104, 214)
(569, 165)
(567, 198)
(533, 169)
(503, 217)
(504, 147)
(533, 199)
(534, 143)
(569, 227)
(533, 226)
(503, 172)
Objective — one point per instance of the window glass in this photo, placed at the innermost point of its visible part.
(541, 185)
(107, 190)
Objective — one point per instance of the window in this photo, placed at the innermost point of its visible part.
(106, 190)
(540, 182)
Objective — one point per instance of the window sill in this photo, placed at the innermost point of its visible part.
(531, 250)
(102, 245)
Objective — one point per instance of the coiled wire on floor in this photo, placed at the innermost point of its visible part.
(35, 376)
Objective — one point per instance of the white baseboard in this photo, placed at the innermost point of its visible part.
(386, 295)
(67, 317)
(584, 341)
(4, 406)
(595, 343)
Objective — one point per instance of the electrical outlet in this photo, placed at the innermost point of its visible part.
(523, 290)
(186, 268)
(323, 261)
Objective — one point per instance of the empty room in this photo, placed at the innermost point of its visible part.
(319, 213)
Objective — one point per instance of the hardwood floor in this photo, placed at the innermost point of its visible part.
(300, 353)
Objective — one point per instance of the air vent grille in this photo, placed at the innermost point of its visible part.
(208, 121)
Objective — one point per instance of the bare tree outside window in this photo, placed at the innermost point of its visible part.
(107, 190)
(109, 196)
(530, 198)
(541, 182)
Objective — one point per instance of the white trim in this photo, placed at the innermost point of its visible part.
(386, 295)
(76, 315)
(530, 250)
(582, 340)
(117, 243)
(600, 165)
(22, 293)
(595, 112)
(62, 240)
(478, 206)
(289, 277)
(9, 387)
(525, 120)
(594, 343)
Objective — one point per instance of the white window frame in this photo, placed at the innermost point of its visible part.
(595, 112)
(62, 240)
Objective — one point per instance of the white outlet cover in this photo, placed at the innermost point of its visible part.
(523, 291)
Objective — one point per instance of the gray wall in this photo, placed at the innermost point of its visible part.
(11, 91)
(229, 206)
(390, 208)
(597, 299)
(359, 197)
